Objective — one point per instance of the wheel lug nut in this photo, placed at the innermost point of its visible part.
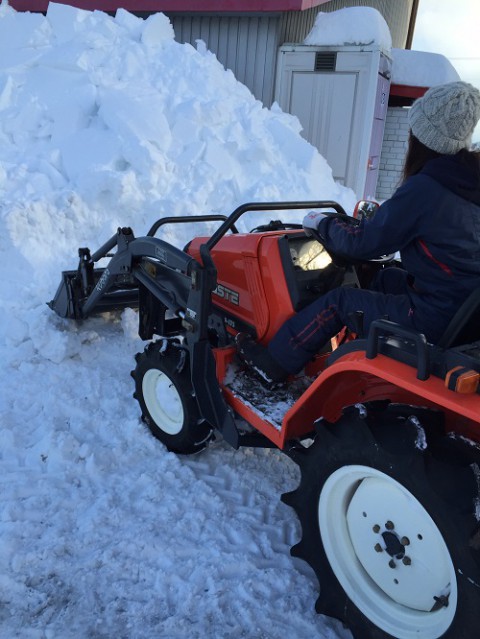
(378, 548)
(405, 541)
(376, 528)
(407, 561)
(389, 525)
(392, 564)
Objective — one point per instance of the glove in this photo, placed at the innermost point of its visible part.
(311, 221)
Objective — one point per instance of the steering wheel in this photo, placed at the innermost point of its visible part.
(276, 225)
(343, 260)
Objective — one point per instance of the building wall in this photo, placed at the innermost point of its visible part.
(248, 43)
(393, 151)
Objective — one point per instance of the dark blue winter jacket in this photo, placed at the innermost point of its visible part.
(433, 220)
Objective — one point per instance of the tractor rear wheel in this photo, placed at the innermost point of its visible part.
(389, 525)
(165, 393)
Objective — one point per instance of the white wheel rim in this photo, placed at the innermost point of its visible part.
(163, 401)
(392, 574)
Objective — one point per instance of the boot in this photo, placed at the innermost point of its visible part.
(259, 359)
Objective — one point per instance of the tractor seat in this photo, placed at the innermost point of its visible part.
(464, 328)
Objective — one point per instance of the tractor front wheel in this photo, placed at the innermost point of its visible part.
(165, 393)
(389, 526)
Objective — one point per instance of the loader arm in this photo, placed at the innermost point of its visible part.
(161, 278)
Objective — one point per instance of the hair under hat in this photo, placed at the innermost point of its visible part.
(445, 117)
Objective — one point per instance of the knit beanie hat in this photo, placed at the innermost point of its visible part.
(444, 118)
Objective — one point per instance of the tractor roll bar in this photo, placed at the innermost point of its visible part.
(188, 219)
(268, 206)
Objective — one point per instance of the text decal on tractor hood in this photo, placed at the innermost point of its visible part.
(227, 294)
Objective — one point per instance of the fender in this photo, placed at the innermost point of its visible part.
(355, 379)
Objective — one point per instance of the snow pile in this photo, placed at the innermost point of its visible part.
(421, 68)
(350, 26)
(108, 122)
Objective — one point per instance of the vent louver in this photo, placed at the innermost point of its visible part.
(325, 61)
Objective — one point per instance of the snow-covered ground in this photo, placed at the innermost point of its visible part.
(108, 122)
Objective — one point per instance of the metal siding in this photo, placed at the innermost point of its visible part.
(295, 25)
(245, 44)
(242, 52)
(232, 43)
(246, 67)
(260, 59)
(273, 43)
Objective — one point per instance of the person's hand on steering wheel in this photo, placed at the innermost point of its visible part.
(310, 226)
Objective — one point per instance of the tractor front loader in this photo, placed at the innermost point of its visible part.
(385, 427)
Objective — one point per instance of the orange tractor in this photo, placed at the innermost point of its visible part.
(385, 426)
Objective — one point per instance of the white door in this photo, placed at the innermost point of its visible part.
(324, 104)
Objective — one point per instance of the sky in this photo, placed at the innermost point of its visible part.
(451, 28)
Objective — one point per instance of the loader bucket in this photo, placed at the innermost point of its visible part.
(71, 296)
(65, 302)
